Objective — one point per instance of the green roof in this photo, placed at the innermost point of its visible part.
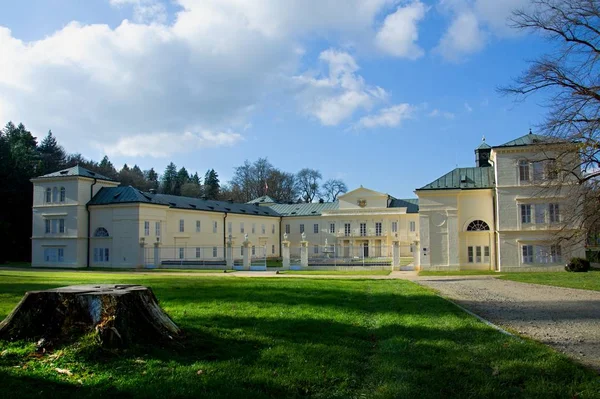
(528, 139)
(124, 195)
(265, 199)
(463, 179)
(411, 204)
(483, 146)
(305, 209)
(77, 171)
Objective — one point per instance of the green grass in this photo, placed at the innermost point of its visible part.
(267, 338)
(340, 272)
(459, 273)
(584, 281)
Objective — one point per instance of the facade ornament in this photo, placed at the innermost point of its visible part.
(303, 236)
(285, 237)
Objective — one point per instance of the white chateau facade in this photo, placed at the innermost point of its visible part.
(487, 217)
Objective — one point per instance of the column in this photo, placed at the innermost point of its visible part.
(285, 254)
(395, 255)
(247, 254)
(229, 255)
(304, 253)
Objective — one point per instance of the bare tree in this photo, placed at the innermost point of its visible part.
(332, 188)
(570, 77)
(307, 183)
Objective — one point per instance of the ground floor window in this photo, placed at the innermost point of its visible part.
(272, 249)
(101, 255)
(478, 254)
(181, 253)
(214, 252)
(316, 249)
(198, 252)
(253, 250)
(527, 253)
(542, 254)
(54, 255)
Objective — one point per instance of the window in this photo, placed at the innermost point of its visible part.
(347, 229)
(54, 194)
(101, 255)
(273, 249)
(48, 195)
(242, 251)
(478, 254)
(157, 228)
(214, 252)
(263, 229)
(316, 228)
(316, 249)
(54, 226)
(394, 227)
(363, 229)
(478, 225)
(229, 227)
(287, 229)
(525, 213)
(413, 226)
(54, 255)
(198, 252)
(63, 194)
(301, 228)
(523, 171)
(527, 253)
(554, 213)
(253, 250)
(331, 228)
(412, 248)
(555, 254)
(486, 254)
(253, 228)
(272, 229)
(101, 232)
(242, 227)
(146, 228)
(551, 170)
(215, 227)
(47, 223)
(61, 225)
(538, 171)
(378, 229)
(540, 213)
(181, 225)
(470, 254)
(181, 253)
(197, 226)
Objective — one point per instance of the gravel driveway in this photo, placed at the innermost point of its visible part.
(564, 318)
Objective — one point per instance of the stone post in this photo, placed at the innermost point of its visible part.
(229, 254)
(142, 255)
(247, 248)
(304, 253)
(285, 254)
(157, 254)
(417, 255)
(395, 255)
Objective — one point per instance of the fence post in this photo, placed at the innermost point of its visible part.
(396, 255)
(247, 255)
(229, 255)
(304, 253)
(142, 254)
(157, 254)
(417, 255)
(285, 255)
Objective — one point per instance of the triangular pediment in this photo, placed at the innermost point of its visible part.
(363, 198)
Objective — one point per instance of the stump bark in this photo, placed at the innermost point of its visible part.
(118, 315)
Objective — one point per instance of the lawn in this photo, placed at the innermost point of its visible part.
(459, 273)
(269, 338)
(585, 281)
(340, 272)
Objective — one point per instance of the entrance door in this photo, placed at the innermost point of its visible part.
(366, 249)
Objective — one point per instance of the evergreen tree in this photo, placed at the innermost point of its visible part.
(53, 156)
(106, 168)
(151, 179)
(183, 177)
(211, 185)
(169, 179)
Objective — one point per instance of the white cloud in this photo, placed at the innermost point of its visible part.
(399, 33)
(159, 145)
(468, 107)
(334, 97)
(463, 37)
(388, 117)
(436, 113)
(207, 70)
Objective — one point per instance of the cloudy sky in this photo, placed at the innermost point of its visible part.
(384, 93)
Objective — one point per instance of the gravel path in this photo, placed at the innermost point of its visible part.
(564, 318)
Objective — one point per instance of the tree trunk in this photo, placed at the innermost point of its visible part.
(119, 315)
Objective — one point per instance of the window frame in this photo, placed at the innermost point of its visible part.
(62, 194)
(331, 228)
(523, 171)
(525, 213)
(316, 228)
(182, 225)
(412, 226)
(146, 228)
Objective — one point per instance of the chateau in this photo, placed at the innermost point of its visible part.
(490, 217)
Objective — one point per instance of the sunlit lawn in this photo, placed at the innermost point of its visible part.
(340, 272)
(586, 281)
(271, 338)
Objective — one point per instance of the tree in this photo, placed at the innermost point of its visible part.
(570, 75)
(53, 156)
(332, 188)
(169, 179)
(182, 178)
(282, 186)
(106, 168)
(307, 183)
(151, 179)
(211, 185)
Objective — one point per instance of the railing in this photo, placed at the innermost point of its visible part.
(371, 232)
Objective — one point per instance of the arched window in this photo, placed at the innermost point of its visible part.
(54, 194)
(101, 232)
(48, 195)
(63, 194)
(478, 225)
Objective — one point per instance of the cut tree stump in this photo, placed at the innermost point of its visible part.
(118, 314)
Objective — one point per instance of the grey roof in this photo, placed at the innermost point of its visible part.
(265, 199)
(483, 146)
(124, 195)
(77, 171)
(411, 204)
(527, 139)
(464, 179)
(310, 209)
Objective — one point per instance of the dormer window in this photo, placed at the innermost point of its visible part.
(63, 194)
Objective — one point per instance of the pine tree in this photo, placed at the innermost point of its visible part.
(211, 185)
(183, 177)
(53, 156)
(152, 179)
(106, 168)
(169, 179)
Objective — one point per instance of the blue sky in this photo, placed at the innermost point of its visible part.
(381, 93)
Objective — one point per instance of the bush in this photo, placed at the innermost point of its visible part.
(578, 265)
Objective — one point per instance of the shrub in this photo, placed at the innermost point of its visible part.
(578, 265)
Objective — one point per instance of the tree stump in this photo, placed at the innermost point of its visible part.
(118, 315)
